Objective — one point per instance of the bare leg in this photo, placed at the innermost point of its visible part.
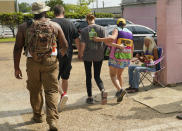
(113, 75)
(60, 88)
(63, 90)
(119, 76)
(64, 85)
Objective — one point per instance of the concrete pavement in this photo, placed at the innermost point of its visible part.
(15, 110)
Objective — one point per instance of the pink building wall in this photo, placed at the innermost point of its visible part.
(141, 14)
(169, 31)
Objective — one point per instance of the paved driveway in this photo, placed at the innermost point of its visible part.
(15, 110)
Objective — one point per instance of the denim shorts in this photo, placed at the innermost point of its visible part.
(118, 64)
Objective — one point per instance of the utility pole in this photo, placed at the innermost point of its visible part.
(103, 3)
(80, 2)
(16, 6)
(97, 4)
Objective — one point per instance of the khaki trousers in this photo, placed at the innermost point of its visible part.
(43, 76)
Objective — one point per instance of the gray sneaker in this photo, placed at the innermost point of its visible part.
(121, 95)
(90, 100)
(179, 116)
(117, 93)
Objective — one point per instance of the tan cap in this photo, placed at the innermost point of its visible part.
(39, 7)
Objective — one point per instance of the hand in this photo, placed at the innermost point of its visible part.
(110, 39)
(80, 56)
(96, 39)
(62, 52)
(18, 74)
(137, 55)
(121, 46)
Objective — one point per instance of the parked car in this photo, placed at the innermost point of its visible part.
(139, 32)
(108, 23)
(6, 32)
(80, 24)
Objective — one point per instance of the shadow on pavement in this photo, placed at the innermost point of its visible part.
(14, 124)
(81, 103)
(8, 127)
(4, 114)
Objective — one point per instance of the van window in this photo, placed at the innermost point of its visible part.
(83, 24)
(105, 22)
(142, 30)
(130, 28)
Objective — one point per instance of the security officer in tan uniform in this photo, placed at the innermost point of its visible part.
(41, 74)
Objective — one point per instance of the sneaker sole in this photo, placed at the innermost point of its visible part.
(120, 98)
(131, 91)
(62, 103)
(179, 117)
(104, 98)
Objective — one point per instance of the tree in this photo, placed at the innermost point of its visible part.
(24, 7)
(52, 3)
(11, 20)
(77, 9)
(85, 2)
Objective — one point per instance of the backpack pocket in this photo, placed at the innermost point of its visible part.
(121, 54)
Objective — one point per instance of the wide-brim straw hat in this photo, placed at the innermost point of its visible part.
(39, 7)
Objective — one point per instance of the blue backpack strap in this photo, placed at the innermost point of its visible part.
(159, 51)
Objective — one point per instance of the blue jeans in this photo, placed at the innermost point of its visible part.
(134, 74)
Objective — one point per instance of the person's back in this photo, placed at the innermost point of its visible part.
(40, 40)
(124, 38)
(27, 36)
(69, 30)
(94, 51)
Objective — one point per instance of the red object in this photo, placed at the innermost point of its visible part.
(53, 49)
(63, 94)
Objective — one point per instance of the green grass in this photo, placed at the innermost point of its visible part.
(7, 39)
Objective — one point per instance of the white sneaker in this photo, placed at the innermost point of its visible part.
(62, 103)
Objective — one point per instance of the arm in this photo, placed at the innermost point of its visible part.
(75, 35)
(20, 41)
(105, 40)
(114, 34)
(109, 39)
(82, 44)
(62, 41)
(156, 56)
(77, 42)
(82, 48)
(116, 45)
(132, 49)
